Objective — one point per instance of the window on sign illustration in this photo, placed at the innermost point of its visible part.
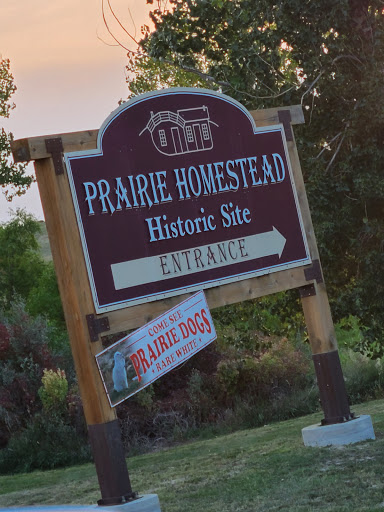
(163, 138)
(205, 132)
(189, 134)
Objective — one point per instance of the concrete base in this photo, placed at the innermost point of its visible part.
(146, 503)
(354, 431)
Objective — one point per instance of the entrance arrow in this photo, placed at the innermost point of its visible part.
(197, 259)
(266, 244)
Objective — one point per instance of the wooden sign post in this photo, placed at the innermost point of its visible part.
(87, 302)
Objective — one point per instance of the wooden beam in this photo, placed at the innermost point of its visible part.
(135, 316)
(271, 115)
(25, 150)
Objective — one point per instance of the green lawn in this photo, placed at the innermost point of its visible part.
(264, 469)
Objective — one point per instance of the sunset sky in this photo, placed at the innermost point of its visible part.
(69, 77)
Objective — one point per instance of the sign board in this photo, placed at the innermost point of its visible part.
(183, 193)
(140, 358)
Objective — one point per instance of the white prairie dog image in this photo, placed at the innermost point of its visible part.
(119, 374)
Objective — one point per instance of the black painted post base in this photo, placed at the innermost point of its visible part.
(111, 467)
(333, 394)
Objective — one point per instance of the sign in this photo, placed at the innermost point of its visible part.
(183, 193)
(142, 357)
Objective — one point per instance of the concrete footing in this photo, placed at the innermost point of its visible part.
(146, 503)
(349, 432)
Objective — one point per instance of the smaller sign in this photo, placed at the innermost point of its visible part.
(137, 360)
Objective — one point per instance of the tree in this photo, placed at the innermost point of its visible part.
(23, 272)
(20, 262)
(13, 177)
(147, 74)
(267, 54)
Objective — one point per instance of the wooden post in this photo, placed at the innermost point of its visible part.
(333, 394)
(77, 302)
(317, 312)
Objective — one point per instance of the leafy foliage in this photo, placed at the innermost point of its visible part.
(13, 177)
(24, 355)
(48, 442)
(53, 392)
(23, 272)
(20, 262)
(41, 422)
(147, 74)
(286, 52)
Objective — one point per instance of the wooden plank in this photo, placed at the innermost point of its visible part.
(135, 316)
(271, 115)
(74, 287)
(25, 150)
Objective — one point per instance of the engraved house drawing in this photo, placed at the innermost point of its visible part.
(185, 131)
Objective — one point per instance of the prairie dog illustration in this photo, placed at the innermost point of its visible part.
(119, 374)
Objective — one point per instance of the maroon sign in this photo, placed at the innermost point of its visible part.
(183, 193)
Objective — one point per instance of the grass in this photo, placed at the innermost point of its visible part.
(263, 469)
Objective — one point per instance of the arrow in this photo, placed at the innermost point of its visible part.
(197, 259)
(266, 244)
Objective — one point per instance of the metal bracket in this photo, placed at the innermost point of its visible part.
(307, 291)
(285, 119)
(97, 326)
(314, 273)
(118, 500)
(55, 147)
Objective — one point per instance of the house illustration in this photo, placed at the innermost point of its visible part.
(185, 131)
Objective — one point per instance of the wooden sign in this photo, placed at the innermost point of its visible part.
(225, 188)
(137, 360)
(183, 193)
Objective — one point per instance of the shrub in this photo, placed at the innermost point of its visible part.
(364, 377)
(47, 442)
(278, 370)
(54, 391)
(25, 353)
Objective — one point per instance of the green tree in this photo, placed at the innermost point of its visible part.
(20, 262)
(44, 298)
(23, 272)
(13, 177)
(146, 74)
(328, 56)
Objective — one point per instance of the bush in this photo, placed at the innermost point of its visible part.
(364, 377)
(254, 376)
(48, 442)
(53, 392)
(25, 353)
(24, 357)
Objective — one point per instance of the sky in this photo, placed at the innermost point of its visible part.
(68, 73)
